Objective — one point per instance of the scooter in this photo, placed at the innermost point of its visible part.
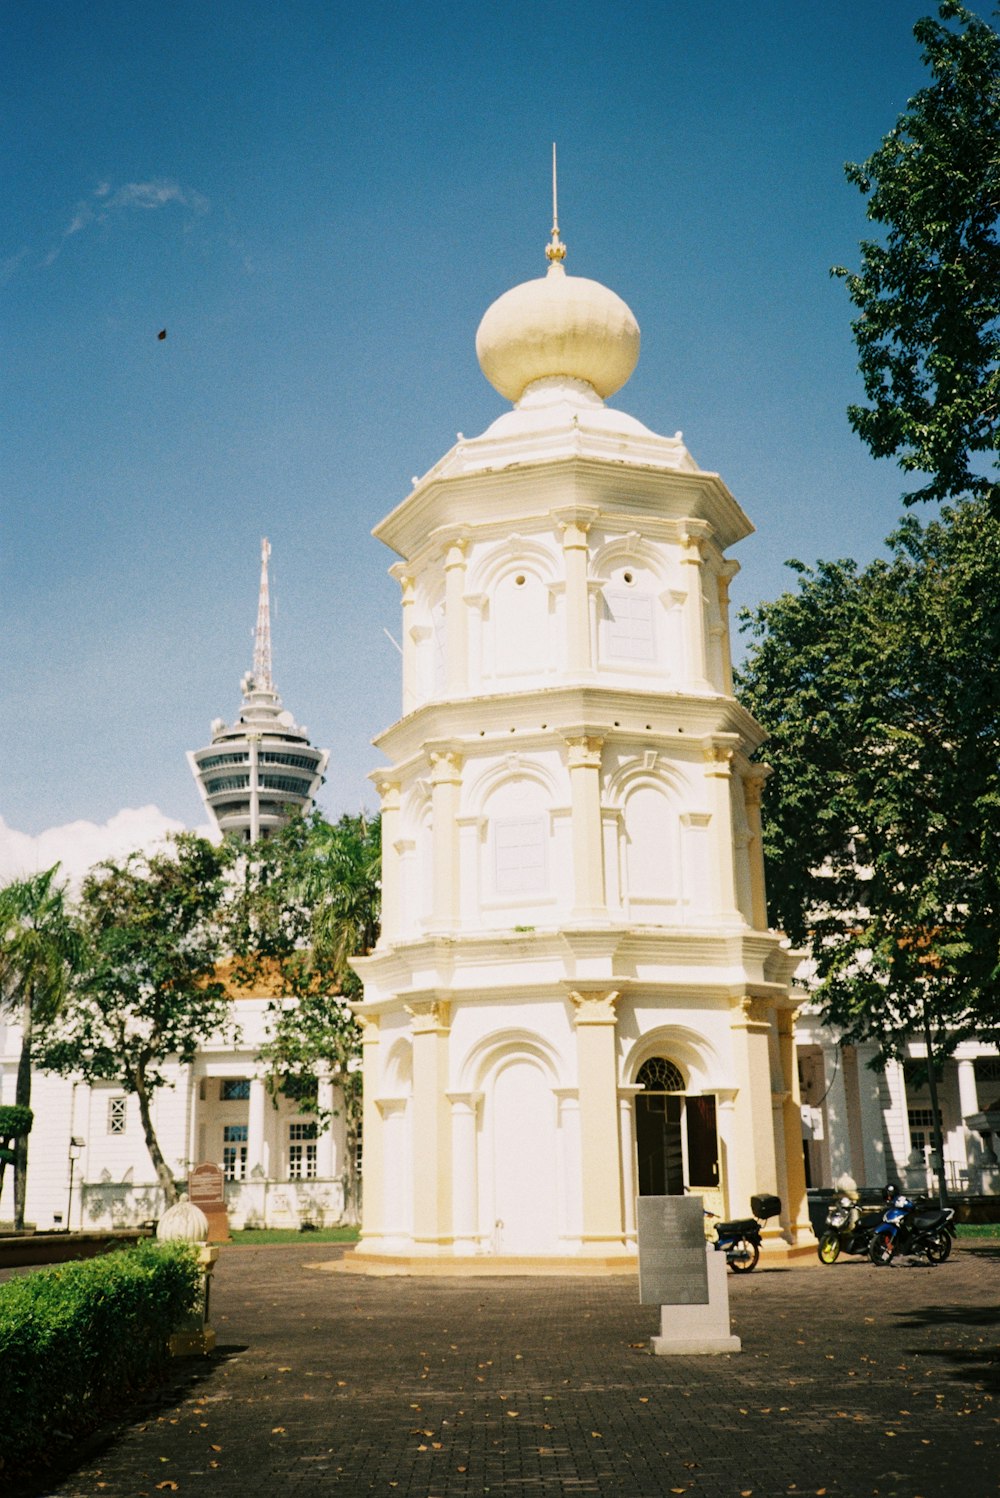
(847, 1230)
(905, 1229)
(739, 1240)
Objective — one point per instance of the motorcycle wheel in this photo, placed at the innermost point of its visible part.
(939, 1247)
(828, 1248)
(749, 1254)
(883, 1247)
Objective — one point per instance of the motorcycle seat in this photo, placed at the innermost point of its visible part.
(739, 1228)
(925, 1220)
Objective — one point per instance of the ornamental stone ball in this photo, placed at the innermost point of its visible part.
(557, 325)
(184, 1221)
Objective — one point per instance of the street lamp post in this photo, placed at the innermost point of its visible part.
(75, 1146)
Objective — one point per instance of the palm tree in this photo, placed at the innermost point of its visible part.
(38, 946)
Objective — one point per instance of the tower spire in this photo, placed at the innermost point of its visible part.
(262, 635)
(555, 250)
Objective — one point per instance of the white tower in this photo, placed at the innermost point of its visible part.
(261, 769)
(575, 997)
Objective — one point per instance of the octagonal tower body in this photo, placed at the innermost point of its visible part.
(575, 997)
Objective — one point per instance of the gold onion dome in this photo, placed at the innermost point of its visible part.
(557, 326)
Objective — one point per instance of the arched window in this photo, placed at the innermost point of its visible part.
(660, 1075)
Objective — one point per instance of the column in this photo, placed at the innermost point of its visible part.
(600, 1151)
(584, 762)
(372, 1160)
(257, 1151)
(626, 1135)
(254, 742)
(718, 779)
(753, 784)
(391, 923)
(753, 1167)
(872, 1130)
(456, 632)
(838, 1128)
(446, 783)
(465, 1177)
(793, 1195)
(432, 1185)
(968, 1103)
(326, 1154)
(692, 560)
(576, 560)
(899, 1119)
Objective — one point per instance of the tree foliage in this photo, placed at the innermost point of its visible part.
(310, 902)
(928, 291)
(147, 990)
(880, 691)
(38, 946)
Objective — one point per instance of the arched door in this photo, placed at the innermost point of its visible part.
(677, 1142)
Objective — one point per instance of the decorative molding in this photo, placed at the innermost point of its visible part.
(595, 1008)
(752, 1014)
(584, 753)
(431, 1018)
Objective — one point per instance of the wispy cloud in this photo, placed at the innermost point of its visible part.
(107, 201)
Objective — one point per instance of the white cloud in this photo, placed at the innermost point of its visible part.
(77, 846)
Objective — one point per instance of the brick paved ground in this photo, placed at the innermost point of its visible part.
(853, 1381)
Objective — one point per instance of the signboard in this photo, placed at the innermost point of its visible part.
(207, 1190)
(673, 1268)
(207, 1187)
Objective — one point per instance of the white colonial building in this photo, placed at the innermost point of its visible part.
(575, 997)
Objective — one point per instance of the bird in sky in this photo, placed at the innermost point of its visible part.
(162, 334)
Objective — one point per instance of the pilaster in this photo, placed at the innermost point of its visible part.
(391, 876)
(584, 763)
(408, 590)
(753, 784)
(788, 1147)
(576, 560)
(371, 1127)
(465, 1182)
(692, 561)
(430, 1023)
(754, 1162)
(600, 1150)
(718, 778)
(446, 784)
(456, 616)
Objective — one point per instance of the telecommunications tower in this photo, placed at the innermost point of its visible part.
(261, 769)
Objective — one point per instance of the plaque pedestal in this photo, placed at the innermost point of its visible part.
(207, 1190)
(689, 1330)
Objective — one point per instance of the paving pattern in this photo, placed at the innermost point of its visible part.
(853, 1381)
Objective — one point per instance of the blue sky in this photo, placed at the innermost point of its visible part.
(319, 201)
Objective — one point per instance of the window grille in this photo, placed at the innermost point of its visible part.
(235, 1090)
(302, 1152)
(117, 1114)
(659, 1075)
(921, 1122)
(987, 1068)
(234, 1152)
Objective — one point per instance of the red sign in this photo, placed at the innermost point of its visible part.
(206, 1186)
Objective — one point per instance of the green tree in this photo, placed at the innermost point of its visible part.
(928, 291)
(311, 902)
(881, 694)
(147, 992)
(38, 947)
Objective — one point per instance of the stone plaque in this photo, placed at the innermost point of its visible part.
(207, 1187)
(673, 1269)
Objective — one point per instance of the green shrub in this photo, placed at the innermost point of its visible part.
(76, 1339)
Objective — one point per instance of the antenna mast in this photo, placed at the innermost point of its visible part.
(262, 635)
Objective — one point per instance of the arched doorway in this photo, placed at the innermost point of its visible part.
(677, 1142)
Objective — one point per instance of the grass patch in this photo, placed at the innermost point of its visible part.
(296, 1235)
(978, 1229)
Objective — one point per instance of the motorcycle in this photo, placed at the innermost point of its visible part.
(847, 1230)
(906, 1229)
(739, 1240)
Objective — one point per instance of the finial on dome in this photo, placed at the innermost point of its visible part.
(555, 251)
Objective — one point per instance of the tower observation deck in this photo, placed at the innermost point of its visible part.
(260, 770)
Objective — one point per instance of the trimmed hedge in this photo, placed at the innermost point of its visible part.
(77, 1339)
